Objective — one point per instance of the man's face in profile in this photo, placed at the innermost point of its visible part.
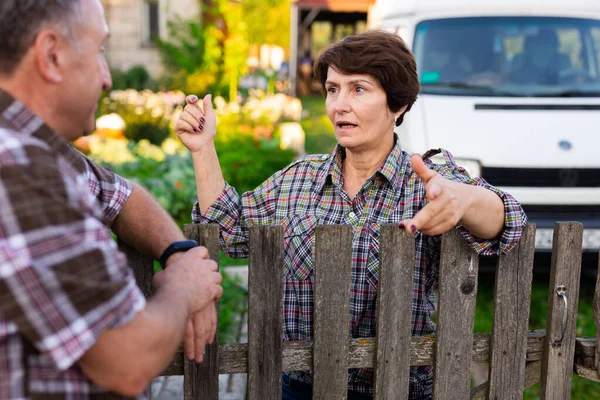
(87, 72)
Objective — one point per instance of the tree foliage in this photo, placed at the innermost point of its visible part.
(210, 55)
(268, 21)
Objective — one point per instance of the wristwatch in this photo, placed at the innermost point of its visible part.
(176, 247)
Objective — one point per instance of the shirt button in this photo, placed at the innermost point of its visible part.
(351, 215)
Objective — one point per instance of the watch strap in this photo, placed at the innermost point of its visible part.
(176, 247)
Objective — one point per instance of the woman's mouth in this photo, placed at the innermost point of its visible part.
(345, 125)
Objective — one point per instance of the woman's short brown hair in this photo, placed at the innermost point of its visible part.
(380, 54)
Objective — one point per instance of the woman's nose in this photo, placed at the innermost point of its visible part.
(342, 103)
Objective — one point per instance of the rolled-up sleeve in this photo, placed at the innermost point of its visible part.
(235, 214)
(111, 190)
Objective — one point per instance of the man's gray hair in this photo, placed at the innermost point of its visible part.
(22, 20)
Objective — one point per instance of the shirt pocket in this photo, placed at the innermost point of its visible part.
(299, 231)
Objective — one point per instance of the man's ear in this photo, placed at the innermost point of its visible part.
(50, 55)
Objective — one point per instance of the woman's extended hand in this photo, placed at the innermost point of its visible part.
(197, 126)
(447, 202)
(477, 209)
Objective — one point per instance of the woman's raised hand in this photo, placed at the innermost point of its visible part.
(197, 126)
(447, 202)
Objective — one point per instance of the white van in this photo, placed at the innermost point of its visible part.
(512, 89)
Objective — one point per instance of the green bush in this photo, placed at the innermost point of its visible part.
(247, 162)
(317, 127)
(147, 115)
(154, 132)
(136, 77)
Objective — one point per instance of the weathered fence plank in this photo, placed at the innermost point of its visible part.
(143, 268)
(532, 373)
(333, 267)
(585, 358)
(511, 319)
(201, 381)
(332, 353)
(557, 363)
(265, 284)
(456, 310)
(394, 313)
(233, 357)
(585, 352)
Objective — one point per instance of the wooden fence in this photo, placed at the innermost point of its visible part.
(517, 357)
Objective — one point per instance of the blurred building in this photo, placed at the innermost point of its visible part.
(135, 24)
(315, 24)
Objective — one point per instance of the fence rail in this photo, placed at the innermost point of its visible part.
(517, 357)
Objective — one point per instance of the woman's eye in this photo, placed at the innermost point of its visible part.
(360, 89)
(331, 90)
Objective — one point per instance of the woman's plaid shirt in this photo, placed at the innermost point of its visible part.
(310, 192)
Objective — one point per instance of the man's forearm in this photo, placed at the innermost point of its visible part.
(126, 358)
(145, 225)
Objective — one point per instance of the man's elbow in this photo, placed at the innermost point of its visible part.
(131, 385)
(130, 382)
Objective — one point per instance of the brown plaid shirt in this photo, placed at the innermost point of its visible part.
(62, 279)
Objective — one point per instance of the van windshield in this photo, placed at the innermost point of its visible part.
(509, 56)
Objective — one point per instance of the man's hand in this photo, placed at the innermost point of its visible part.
(447, 202)
(201, 327)
(194, 275)
(201, 330)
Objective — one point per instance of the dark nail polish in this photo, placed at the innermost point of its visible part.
(202, 119)
(201, 127)
(195, 130)
(402, 226)
(413, 228)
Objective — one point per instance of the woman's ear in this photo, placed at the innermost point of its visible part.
(399, 116)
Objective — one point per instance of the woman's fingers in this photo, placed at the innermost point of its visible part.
(194, 108)
(186, 123)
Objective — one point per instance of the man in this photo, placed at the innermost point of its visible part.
(73, 324)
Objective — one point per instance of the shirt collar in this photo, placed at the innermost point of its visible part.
(392, 169)
(16, 116)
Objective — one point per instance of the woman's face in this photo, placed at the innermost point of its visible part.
(357, 107)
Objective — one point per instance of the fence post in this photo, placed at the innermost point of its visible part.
(394, 313)
(143, 269)
(333, 268)
(557, 362)
(142, 266)
(265, 285)
(511, 319)
(456, 311)
(201, 381)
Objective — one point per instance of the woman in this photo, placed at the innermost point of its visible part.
(371, 82)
